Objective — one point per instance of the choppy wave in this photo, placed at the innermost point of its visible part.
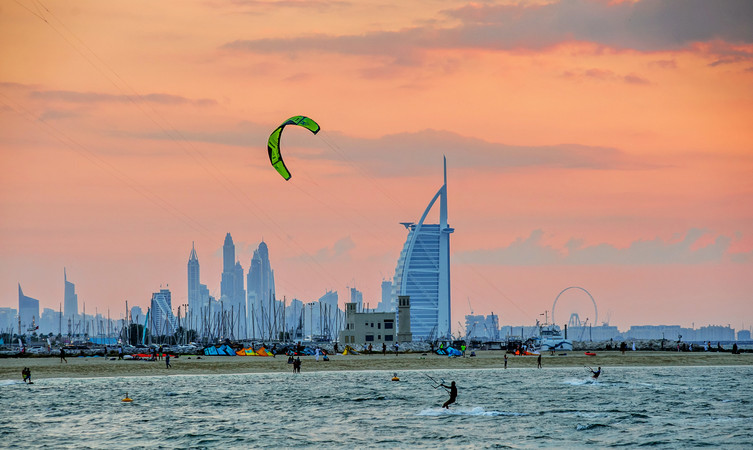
(558, 407)
(590, 426)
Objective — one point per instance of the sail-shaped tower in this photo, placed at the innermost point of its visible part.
(423, 271)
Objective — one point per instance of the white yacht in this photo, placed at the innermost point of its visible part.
(552, 339)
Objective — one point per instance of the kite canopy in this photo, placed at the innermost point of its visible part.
(273, 144)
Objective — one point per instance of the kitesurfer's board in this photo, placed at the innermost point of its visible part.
(127, 400)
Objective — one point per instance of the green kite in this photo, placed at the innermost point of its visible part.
(273, 144)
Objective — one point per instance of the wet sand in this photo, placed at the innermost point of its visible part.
(85, 367)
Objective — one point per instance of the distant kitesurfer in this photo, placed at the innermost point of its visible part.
(62, 355)
(26, 373)
(453, 394)
(596, 372)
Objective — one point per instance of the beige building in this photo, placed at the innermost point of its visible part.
(376, 328)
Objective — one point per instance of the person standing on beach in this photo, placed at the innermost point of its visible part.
(397, 347)
(539, 361)
(384, 349)
(505, 360)
(62, 355)
(167, 361)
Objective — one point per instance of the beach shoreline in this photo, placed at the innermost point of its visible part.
(88, 367)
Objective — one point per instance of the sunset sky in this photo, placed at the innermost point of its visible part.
(600, 144)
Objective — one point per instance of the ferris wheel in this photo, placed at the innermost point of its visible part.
(596, 311)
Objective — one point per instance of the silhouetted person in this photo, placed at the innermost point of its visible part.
(539, 361)
(453, 394)
(62, 356)
(505, 360)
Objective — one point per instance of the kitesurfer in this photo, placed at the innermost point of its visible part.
(596, 372)
(26, 373)
(453, 394)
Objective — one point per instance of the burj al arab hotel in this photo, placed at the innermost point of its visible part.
(423, 271)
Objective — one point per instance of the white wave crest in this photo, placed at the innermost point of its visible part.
(475, 411)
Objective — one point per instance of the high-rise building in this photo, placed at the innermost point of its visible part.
(194, 302)
(228, 264)
(50, 322)
(260, 285)
(8, 320)
(294, 321)
(239, 300)
(28, 310)
(356, 297)
(482, 327)
(386, 304)
(70, 301)
(330, 299)
(162, 320)
(232, 293)
(423, 271)
(137, 315)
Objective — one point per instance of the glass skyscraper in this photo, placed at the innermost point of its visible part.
(423, 271)
(163, 322)
(70, 300)
(260, 285)
(28, 310)
(194, 302)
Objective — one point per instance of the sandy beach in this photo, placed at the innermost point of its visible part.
(84, 367)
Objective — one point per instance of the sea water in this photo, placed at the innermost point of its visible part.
(515, 408)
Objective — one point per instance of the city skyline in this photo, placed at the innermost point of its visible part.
(601, 144)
